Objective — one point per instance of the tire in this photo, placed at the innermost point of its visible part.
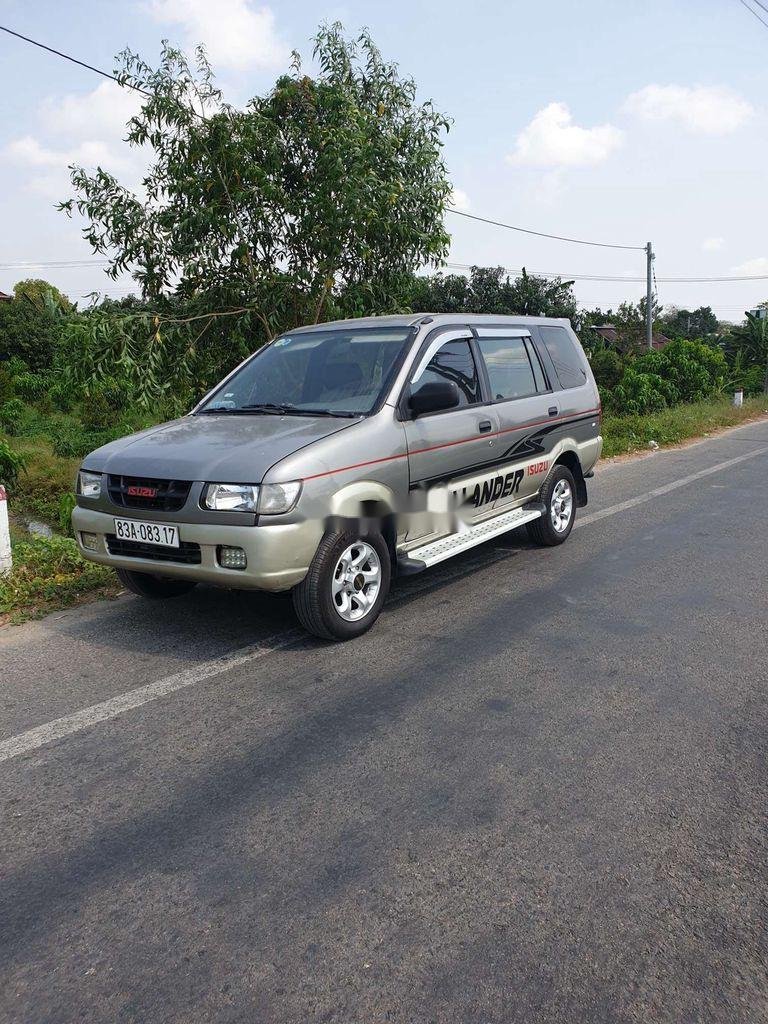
(156, 588)
(557, 495)
(330, 601)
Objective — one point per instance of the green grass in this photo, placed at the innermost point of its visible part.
(624, 434)
(49, 574)
(48, 476)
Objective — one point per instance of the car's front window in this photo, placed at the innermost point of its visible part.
(339, 372)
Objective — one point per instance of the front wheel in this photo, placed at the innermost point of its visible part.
(156, 588)
(558, 495)
(342, 595)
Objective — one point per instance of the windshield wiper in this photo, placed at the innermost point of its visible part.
(223, 411)
(292, 410)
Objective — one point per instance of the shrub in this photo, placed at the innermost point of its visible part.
(12, 415)
(49, 572)
(76, 443)
(607, 366)
(640, 393)
(46, 478)
(96, 413)
(11, 464)
(697, 370)
(31, 386)
(67, 504)
(6, 383)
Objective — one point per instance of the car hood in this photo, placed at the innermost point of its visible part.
(219, 448)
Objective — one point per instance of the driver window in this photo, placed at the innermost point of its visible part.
(453, 362)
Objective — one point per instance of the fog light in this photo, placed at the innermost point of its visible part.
(232, 558)
(90, 541)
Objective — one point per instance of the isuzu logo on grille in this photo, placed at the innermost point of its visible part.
(141, 492)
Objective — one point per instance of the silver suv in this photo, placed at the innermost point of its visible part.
(342, 453)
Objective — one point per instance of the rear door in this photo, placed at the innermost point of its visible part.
(446, 446)
(527, 408)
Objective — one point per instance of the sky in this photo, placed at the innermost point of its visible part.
(626, 122)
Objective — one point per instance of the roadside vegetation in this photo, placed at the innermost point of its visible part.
(256, 225)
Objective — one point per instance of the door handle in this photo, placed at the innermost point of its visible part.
(553, 410)
(485, 426)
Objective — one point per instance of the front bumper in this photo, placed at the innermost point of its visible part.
(278, 554)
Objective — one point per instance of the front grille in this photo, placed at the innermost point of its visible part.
(187, 553)
(170, 497)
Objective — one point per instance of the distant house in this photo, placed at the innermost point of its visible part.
(609, 335)
(4, 297)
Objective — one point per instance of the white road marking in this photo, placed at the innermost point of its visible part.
(657, 492)
(40, 736)
(60, 727)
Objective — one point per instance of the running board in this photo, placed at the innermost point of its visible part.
(440, 550)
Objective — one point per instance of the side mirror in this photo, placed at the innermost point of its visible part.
(439, 394)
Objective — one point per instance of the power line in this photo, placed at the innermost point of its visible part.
(751, 10)
(73, 60)
(542, 234)
(54, 265)
(617, 278)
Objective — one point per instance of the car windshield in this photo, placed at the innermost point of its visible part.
(341, 372)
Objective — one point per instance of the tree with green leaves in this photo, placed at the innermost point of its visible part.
(749, 343)
(327, 185)
(30, 323)
(690, 324)
(492, 290)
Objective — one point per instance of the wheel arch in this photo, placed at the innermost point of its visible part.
(571, 461)
(363, 505)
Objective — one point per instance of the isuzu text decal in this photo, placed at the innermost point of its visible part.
(538, 467)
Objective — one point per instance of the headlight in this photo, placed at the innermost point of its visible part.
(231, 497)
(276, 498)
(88, 484)
(267, 499)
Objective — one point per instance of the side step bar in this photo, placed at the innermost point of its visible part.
(436, 551)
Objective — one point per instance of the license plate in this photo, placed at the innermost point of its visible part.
(147, 533)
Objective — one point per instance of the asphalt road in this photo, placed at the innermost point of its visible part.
(535, 792)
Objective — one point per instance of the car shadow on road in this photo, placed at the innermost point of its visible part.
(210, 621)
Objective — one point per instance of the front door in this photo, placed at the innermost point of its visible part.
(449, 447)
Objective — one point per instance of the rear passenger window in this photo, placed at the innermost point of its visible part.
(563, 354)
(509, 368)
(541, 381)
(454, 362)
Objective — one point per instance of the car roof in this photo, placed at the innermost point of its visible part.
(433, 319)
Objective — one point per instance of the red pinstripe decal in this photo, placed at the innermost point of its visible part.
(451, 444)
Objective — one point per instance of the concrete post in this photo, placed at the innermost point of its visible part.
(6, 559)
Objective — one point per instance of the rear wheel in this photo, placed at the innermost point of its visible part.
(156, 588)
(343, 593)
(558, 495)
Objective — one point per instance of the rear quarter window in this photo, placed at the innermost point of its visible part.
(564, 356)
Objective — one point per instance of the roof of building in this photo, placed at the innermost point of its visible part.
(609, 333)
(5, 297)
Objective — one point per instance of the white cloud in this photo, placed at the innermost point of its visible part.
(552, 140)
(78, 128)
(751, 268)
(102, 113)
(459, 200)
(236, 34)
(50, 166)
(713, 244)
(704, 109)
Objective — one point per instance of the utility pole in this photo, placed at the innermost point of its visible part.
(649, 298)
